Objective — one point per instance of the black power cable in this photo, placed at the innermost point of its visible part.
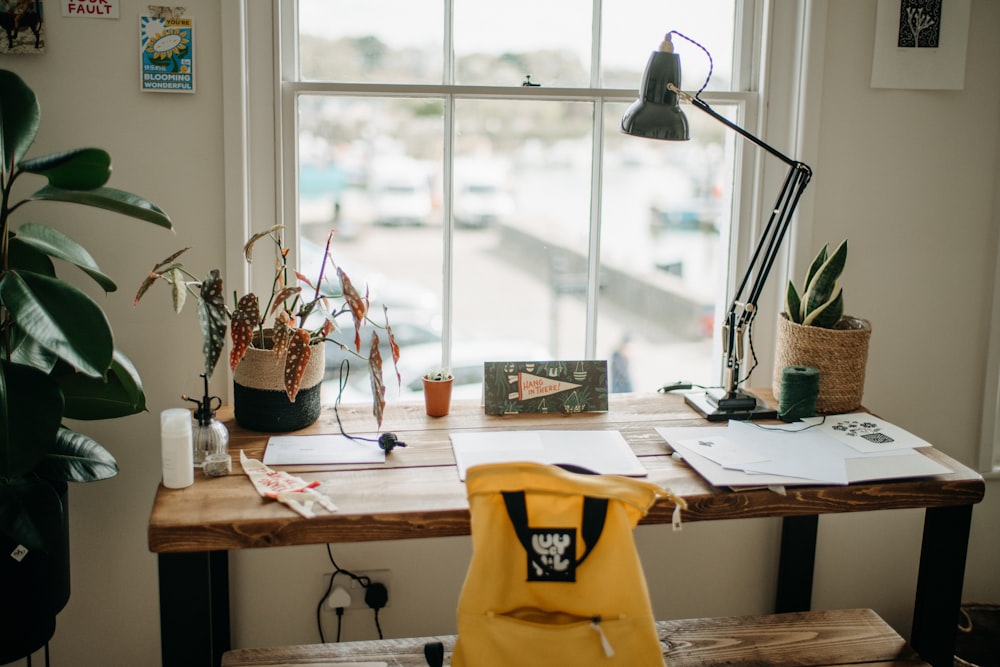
(376, 596)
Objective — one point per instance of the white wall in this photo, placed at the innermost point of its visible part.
(909, 176)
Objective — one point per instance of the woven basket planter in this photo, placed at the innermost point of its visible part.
(259, 399)
(840, 354)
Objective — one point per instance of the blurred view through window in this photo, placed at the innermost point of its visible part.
(517, 219)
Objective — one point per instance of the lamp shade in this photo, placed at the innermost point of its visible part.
(657, 113)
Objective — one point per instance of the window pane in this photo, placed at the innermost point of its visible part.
(371, 169)
(665, 222)
(633, 28)
(371, 41)
(522, 195)
(501, 45)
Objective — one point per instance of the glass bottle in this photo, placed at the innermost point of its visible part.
(210, 437)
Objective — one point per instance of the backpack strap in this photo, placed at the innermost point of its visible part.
(591, 525)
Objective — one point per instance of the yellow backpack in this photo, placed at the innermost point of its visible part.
(555, 578)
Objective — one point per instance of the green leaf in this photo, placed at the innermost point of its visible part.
(27, 352)
(78, 458)
(214, 318)
(827, 314)
(20, 117)
(27, 258)
(108, 199)
(60, 318)
(79, 169)
(119, 394)
(54, 243)
(824, 282)
(30, 512)
(814, 267)
(793, 305)
(32, 409)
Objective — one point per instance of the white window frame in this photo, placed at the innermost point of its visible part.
(989, 444)
(776, 94)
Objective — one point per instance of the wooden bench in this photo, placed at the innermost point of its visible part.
(816, 638)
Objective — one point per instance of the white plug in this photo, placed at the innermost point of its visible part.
(338, 598)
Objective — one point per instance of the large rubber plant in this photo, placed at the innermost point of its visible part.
(57, 354)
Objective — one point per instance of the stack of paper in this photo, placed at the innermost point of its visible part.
(838, 449)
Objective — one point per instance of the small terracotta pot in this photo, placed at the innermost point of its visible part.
(437, 396)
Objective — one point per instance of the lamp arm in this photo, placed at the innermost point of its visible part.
(741, 313)
(703, 106)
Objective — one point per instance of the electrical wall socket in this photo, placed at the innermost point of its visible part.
(355, 589)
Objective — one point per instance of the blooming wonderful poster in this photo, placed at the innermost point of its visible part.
(167, 54)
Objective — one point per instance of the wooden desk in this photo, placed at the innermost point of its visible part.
(417, 493)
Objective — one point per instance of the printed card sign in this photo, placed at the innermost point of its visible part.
(512, 387)
(95, 9)
(167, 54)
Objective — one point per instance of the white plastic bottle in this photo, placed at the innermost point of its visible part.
(177, 448)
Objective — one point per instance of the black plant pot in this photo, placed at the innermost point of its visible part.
(35, 589)
(259, 399)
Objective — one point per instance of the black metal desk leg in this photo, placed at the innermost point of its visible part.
(939, 583)
(798, 559)
(194, 608)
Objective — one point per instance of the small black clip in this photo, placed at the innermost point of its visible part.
(434, 654)
(389, 441)
(527, 82)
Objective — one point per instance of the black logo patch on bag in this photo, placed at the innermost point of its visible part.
(553, 554)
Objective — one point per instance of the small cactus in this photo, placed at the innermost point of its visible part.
(821, 302)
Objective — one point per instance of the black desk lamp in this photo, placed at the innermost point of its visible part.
(657, 115)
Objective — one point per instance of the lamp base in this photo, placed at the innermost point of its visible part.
(720, 405)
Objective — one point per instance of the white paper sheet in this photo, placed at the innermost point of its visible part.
(604, 452)
(723, 451)
(321, 449)
(804, 454)
(791, 458)
(869, 434)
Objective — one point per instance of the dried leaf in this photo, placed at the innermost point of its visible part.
(282, 296)
(144, 287)
(375, 374)
(169, 260)
(245, 321)
(156, 273)
(213, 318)
(329, 326)
(296, 361)
(304, 279)
(393, 346)
(357, 305)
(248, 248)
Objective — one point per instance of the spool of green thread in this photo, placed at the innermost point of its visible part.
(799, 390)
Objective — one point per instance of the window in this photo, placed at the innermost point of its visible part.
(989, 445)
(474, 170)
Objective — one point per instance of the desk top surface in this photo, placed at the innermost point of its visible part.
(417, 491)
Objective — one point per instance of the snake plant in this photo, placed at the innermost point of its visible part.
(821, 301)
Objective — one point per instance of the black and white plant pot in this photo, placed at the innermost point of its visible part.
(259, 399)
